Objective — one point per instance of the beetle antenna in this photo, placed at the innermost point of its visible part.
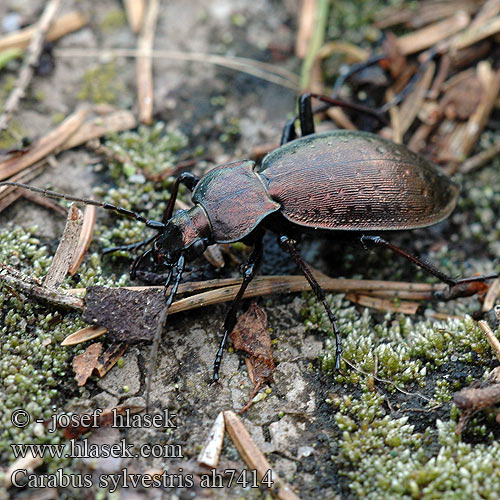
(107, 206)
(176, 273)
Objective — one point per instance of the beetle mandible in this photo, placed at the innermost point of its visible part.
(333, 181)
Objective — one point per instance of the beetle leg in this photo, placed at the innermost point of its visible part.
(289, 245)
(249, 272)
(458, 287)
(189, 180)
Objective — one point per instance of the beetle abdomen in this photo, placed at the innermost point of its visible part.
(356, 181)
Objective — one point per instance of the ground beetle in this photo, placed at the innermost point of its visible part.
(333, 181)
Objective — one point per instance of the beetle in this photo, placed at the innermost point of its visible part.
(343, 181)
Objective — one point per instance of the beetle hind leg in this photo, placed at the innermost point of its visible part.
(462, 287)
(289, 245)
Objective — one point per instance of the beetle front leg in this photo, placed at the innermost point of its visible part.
(189, 180)
(289, 245)
(249, 272)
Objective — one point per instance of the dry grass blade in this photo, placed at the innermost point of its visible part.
(44, 146)
(253, 457)
(145, 64)
(83, 335)
(85, 238)
(61, 26)
(265, 71)
(31, 61)
(430, 35)
(135, 13)
(474, 35)
(66, 250)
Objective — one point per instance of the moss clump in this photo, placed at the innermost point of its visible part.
(101, 85)
(35, 371)
(113, 20)
(383, 457)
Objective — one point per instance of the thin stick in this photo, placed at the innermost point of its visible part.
(28, 285)
(26, 73)
(144, 64)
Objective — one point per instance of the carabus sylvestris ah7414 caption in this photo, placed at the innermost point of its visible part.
(333, 181)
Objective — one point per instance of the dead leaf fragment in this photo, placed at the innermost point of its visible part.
(84, 364)
(252, 336)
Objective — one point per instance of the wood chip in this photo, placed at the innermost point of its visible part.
(211, 449)
(44, 146)
(253, 457)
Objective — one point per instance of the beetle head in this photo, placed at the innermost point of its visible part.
(186, 234)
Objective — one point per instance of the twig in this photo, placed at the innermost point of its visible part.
(31, 61)
(491, 295)
(145, 65)
(31, 287)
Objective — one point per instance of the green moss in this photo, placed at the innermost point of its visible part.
(35, 370)
(113, 20)
(101, 85)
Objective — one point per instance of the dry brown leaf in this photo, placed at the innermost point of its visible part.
(84, 364)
